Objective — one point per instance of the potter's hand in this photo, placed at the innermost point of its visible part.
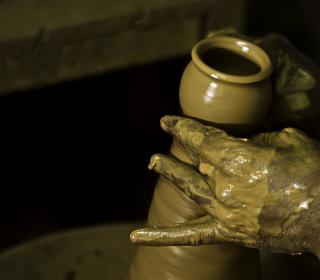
(263, 192)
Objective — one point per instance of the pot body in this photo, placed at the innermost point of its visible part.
(237, 108)
(227, 84)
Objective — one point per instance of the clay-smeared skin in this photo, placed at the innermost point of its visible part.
(261, 192)
(294, 102)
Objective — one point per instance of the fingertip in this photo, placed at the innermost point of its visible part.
(167, 123)
(134, 237)
(153, 161)
(145, 236)
(140, 236)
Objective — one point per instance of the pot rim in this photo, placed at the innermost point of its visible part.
(242, 47)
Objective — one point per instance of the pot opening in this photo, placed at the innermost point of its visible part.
(229, 62)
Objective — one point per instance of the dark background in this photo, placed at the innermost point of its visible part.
(76, 154)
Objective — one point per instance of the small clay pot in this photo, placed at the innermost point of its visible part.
(227, 84)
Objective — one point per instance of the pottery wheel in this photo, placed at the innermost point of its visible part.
(95, 253)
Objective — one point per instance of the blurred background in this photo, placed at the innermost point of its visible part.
(83, 85)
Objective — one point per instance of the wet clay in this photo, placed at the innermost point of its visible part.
(240, 214)
(237, 103)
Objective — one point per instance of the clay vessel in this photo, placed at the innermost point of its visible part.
(227, 84)
(235, 97)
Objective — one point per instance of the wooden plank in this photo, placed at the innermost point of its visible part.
(43, 42)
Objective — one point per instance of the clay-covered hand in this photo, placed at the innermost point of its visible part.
(262, 192)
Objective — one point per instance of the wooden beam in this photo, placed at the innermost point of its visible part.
(44, 42)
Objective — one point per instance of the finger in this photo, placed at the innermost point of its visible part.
(286, 138)
(188, 131)
(194, 233)
(206, 143)
(199, 232)
(194, 137)
(185, 177)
